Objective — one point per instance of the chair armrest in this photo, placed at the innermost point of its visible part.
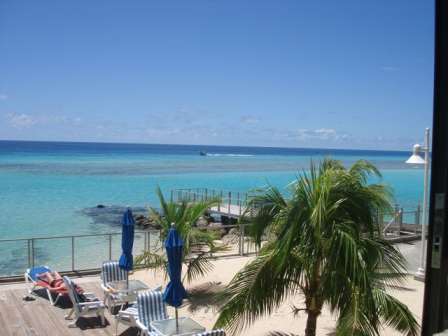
(90, 296)
(142, 327)
(104, 288)
(129, 312)
(91, 304)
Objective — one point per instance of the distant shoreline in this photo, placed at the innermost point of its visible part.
(202, 146)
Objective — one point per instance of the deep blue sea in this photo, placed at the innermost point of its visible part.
(46, 187)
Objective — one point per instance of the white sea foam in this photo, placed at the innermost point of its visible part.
(233, 155)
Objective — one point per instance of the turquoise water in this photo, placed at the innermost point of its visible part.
(44, 190)
(46, 186)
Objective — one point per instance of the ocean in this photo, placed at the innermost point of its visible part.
(48, 188)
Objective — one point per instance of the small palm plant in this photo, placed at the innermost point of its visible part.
(326, 244)
(199, 243)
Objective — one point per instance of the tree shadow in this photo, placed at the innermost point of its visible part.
(85, 323)
(205, 295)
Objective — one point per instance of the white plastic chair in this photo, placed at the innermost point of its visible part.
(111, 271)
(129, 316)
(92, 306)
(150, 308)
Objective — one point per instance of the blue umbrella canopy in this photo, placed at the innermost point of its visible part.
(175, 292)
(127, 240)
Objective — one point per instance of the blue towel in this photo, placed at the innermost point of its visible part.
(38, 270)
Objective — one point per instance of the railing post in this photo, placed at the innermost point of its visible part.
(171, 196)
(30, 263)
(110, 246)
(396, 216)
(238, 203)
(32, 252)
(230, 201)
(145, 241)
(241, 239)
(73, 253)
(417, 217)
(206, 194)
(400, 222)
(219, 203)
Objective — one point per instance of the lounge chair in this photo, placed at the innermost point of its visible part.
(58, 288)
(111, 271)
(150, 308)
(83, 305)
(217, 332)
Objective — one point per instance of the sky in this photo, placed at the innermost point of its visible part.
(309, 73)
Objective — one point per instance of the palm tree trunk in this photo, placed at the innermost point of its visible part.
(311, 323)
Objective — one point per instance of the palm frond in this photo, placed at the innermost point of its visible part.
(395, 314)
(325, 242)
(197, 266)
(256, 291)
(151, 260)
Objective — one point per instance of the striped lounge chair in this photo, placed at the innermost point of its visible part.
(150, 307)
(217, 332)
(86, 304)
(111, 271)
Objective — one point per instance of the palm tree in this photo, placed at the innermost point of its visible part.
(199, 244)
(326, 244)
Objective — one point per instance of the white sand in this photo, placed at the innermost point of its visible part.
(282, 319)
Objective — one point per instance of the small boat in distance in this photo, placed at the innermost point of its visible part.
(202, 153)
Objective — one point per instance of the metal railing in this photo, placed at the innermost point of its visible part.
(70, 252)
(86, 252)
(232, 203)
(235, 204)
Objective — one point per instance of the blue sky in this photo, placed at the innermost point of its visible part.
(338, 74)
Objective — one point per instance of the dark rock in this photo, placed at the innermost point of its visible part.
(217, 227)
(201, 222)
(100, 206)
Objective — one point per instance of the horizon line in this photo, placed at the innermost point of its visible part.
(198, 145)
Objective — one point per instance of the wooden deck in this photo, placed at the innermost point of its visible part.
(39, 317)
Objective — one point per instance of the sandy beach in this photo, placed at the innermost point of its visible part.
(282, 319)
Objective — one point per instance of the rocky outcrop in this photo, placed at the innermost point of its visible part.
(217, 227)
(202, 222)
(232, 237)
(145, 222)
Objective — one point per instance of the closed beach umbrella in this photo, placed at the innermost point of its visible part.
(127, 241)
(175, 292)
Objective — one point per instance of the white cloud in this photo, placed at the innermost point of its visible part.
(320, 134)
(249, 120)
(20, 120)
(3, 96)
(389, 68)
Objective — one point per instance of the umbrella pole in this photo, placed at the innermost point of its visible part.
(177, 321)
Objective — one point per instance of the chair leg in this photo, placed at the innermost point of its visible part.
(73, 324)
(57, 299)
(69, 315)
(50, 297)
(103, 321)
(116, 326)
(32, 289)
